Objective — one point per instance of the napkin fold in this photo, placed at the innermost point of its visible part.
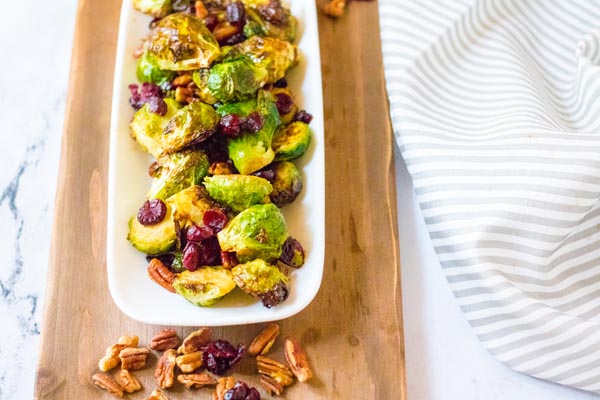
(495, 105)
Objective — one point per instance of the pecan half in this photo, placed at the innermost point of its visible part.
(182, 80)
(164, 340)
(195, 341)
(134, 358)
(111, 358)
(201, 11)
(161, 274)
(264, 341)
(157, 394)
(271, 386)
(128, 381)
(189, 362)
(165, 369)
(297, 359)
(223, 385)
(108, 383)
(196, 381)
(335, 8)
(275, 370)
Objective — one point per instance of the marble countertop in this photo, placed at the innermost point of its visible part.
(444, 360)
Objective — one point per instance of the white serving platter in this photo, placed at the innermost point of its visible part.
(131, 288)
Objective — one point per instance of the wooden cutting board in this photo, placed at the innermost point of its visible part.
(353, 329)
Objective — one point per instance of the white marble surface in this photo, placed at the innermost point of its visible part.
(444, 359)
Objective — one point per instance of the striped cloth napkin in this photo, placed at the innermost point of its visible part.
(496, 109)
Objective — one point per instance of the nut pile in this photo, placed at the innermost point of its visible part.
(198, 361)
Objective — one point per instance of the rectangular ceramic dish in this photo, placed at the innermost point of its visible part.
(131, 288)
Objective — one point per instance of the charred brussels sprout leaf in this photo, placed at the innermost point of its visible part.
(263, 281)
(287, 185)
(290, 142)
(149, 71)
(153, 239)
(257, 232)
(274, 55)
(238, 191)
(192, 124)
(257, 24)
(205, 286)
(181, 42)
(236, 79)
(178, 172)
(156, 8)
(190, 205)
(200, 78)
(147, 127)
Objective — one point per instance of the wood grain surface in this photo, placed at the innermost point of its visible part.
(353, 329)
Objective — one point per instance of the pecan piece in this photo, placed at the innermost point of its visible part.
(161, 274)
(264, 341)
(134, 358)
(189, 362)
(196, 381)
(157, 394)
(165, 340)
(223, 385)
(182, 94)
(335, 8)
(271, 386)
(297, 359)
(108, 383)
(275, 370)
(165, 369)
(128, 381)
(220, 168)
(201, 11)
(182, 80)
(195, 341)
(111, 358)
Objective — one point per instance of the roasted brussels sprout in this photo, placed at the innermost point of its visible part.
(290, 142)
(252, 151)
(146, 127)
(236, 79)
(156, 8)
(192, 124)
(287, 185)
(257, 24)
(284, 99)
(257, 232)
(274, 55)
(181, 42)
(149, 71)
(238, 191)
(205, 286)
(200, 78)
(263, 281)
(190, 205)
(178, 171)
(153, 239)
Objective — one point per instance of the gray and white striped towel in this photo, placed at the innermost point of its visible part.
(496, 109)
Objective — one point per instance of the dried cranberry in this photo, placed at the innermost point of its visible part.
(211, 252)
(235, 13)
(293, 253)
(219, 356)
(211, 21)
(282, 83)
(273, 12)
(152, 212)
(230, 125)
(215, 219)
(166, 259)
(197, 234)
(150, 94)
(215, 148)
(241, 391)
(233, 39)
(275, 296)
(253, 122)
(284, 103)
(191, 257)
(303, 116)
(267, 174)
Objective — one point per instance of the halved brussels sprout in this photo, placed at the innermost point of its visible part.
(192, 124)
(262, 280)
(276, 56)
(190, 205)
(292, 108)
(290, 142)
(181, 42)
(156, 8)
(153, 239)
(238, 191)
(205, 286)
(236, 79)
(287, 185)
(257, 232)
(146, 127)
(148, 71)
(200, 78)
(257, 24)
(178, 171)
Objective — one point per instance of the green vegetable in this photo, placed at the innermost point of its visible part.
(257, 25)
(192, 124)
(149, 71)
(236, 79)
(200, 78)
(288, 117)
(274, 55)
(257, 232)
(153, 239)
(238, 191)
(205, 286)
(261, 280)
(190, 205)
(156, 8)
(146, 127)
(181, 42)
(287, 185)
(290, 142)
(178, 171)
